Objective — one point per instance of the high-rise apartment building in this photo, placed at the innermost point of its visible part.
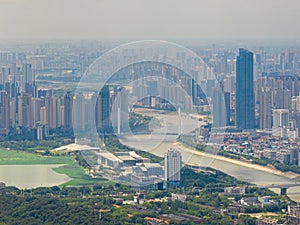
(4, 113)
(79, 113)
(37, 104)
(280, 118)
(68, 106)
(219, 109)
(28, 74)
(25, 118)
(265, 109)
(173, 164)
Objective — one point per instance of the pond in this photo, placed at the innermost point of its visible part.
(31, 176)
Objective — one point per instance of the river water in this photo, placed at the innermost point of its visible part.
(158, 144)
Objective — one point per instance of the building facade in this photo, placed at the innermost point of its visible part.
(173, 164)
(245, 108)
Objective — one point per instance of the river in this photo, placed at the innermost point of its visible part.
(158, 144)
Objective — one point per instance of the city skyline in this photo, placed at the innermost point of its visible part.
(150, 112)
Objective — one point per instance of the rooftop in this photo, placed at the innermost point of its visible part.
(76, 147)
(109, 156)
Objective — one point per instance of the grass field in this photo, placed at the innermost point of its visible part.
(78, 174)
(70, 167)
(12, 157)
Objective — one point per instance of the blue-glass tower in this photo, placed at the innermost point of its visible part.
(245, 108)
(102, 112)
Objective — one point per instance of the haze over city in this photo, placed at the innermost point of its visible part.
(141, 19)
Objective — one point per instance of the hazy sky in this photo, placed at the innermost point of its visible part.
(149, 19)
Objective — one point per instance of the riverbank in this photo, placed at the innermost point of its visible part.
(289, 175)
(158, 144)
(191, 122)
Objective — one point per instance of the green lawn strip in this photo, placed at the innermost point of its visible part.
(12, 157)
(78, 175)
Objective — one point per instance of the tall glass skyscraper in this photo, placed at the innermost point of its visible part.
(102, 110)
(245, 108)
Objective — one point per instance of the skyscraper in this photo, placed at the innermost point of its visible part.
(28, 81)
(245, 109)
(227, 107)
(28, 73)
(119, 112)
(68, 106)
(173, 164)
(219, 110)
(25, 118)
(51, 111)
(79, 113)
(265, 108)
(103, 109)
(4, 113)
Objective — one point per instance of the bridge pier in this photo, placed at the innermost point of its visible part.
(283, 191)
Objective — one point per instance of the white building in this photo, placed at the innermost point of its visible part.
(109, 160)
(280, 118)
(178, 197)
(173, 164)
(119, 111)
(39, 133)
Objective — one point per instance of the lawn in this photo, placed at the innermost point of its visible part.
(12, 157)
(70, 167)
(78, 175)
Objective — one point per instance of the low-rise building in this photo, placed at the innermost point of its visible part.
(236, 209)
(270, 154)
(110, 160)
(283, 156)
(240, 190)
(294, 210)
(178, 197)
(293, 215)
(266, 221)
(260, 201)
(250, 201)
